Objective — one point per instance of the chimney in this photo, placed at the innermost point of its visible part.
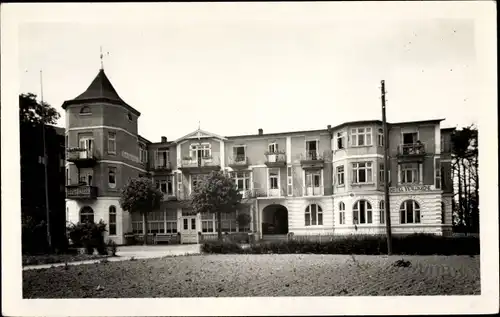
(163, 139)
(261, 131)
(329, 127)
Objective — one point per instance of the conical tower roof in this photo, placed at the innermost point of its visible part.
(100, 90)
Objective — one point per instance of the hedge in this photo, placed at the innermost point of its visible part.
(416, 244)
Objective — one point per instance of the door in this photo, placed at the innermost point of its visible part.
(312, 150)
(88, 145)
(189, 233)
(313, 183)
(274, 183)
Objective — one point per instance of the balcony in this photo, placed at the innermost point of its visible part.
(312, 160)
(238, 161)
(313, 191)
(275, 159)
(414, 152)
(162, 166)
(81, 157)
(200, 164)
(81, 192)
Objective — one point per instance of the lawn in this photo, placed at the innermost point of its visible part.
(58, 258)
(258, 275)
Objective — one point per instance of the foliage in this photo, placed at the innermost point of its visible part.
(112, 247)
(243, 219)
(417, 244)
(57, 258)
(89, 235)
(34, 240)
(141, 195)
(217, 194)
(34, 113)
(466, 172)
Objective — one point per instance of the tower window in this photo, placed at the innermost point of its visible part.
(85, 110)
(129, 116)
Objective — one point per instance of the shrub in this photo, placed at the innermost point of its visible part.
(112, 247)
(34, 237)
(89, 235)
(416, 244)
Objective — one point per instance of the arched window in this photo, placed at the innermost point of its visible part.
(443, 213)
(314, 215)
(129, 116)
(362, 212)
(112, 220)
(382, 211)
(341, 213)
(409, 212)
(86, 214)
(85, 110)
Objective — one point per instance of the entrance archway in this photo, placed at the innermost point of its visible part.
(275, 219)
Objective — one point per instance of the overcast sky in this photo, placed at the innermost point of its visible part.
(238, 70)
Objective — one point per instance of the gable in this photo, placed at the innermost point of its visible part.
(199, 134)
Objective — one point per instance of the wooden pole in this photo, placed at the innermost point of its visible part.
(45, 161)
(386, 175)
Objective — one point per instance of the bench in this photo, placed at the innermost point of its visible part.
(164, 238)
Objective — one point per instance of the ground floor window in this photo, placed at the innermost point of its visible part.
(313, 215)
(409, 212)
(229, 223)
(112, 220)
(86, 214)
(362, 212)
(443, 214)
(159, 222)
(382, 211)
(342, 213)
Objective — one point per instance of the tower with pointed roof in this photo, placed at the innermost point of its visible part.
(102, 145)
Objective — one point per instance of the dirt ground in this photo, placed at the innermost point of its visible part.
(258, 275)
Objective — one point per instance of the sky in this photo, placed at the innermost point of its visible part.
(235, 71)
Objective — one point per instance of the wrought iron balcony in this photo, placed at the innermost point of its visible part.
(162, 166)
(411, 152)
(81, 192)
(275, 159)
(81, 157)
(238, 161)
(312, 160)
(200, 164)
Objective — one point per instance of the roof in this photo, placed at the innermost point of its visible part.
(143, 139)
(199, 134)
(275, 134)
(100, 90)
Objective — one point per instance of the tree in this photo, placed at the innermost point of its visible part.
(140, 195)
(217, 194)
(35, 113)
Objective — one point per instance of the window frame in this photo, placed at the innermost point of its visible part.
(315, 216)
(381, 209)
(415, 211)
(83, 111)
(342, 213)
(368, 212)
(112, 223)
(245, 178)
(341, 137)
(274, 146)
(415, 172)
(112, 140)
(111, 173)
(367, 134)
(340, 175)
(380, 137)
(86, 211)
(368, 169)
(159, 157)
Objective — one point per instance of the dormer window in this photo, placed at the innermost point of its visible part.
(85, 110)
(129, 116)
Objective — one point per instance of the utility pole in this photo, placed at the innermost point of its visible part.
(45, 159)
(386, 175)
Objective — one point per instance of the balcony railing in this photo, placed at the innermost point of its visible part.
(299, 191)
(208, 163)
(311, 160)
(313, 191)
(275, 159)
(81, 156)
(238, 161)
(162, 166)
(81, 192)
(411, 149)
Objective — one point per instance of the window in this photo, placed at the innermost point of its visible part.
(143, 153)
(409, 173)
(85, 110)
(68, 176)
(342, 213)
(362, 172)
(381, 208)
(361, 136)
(312, 150)
(273, 148)
(443, 213)
(409, 212)
(112, 220)
(207, 222)
(112, 177)
(162, 158)
(437, 171)
(340, 175)
(86, 214)
(179, 184)
(313, 183)
(381, 176)
(273, 179)
(111, 143)
(314, 215)
(166, 185)
(171, 221)
(129, 116)
(239, 153)
(228, 221)
(380, 137)
(289, 176)
(410, 138)
(136, 222)
(341, 140)
(362, 212)
(199, 151)
(241, 179)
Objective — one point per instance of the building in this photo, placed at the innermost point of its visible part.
(326, 181)
(33, 180)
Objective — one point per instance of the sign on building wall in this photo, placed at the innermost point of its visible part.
(130, 157)
(416, 188)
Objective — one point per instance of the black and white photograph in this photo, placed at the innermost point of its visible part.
(239, 158)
